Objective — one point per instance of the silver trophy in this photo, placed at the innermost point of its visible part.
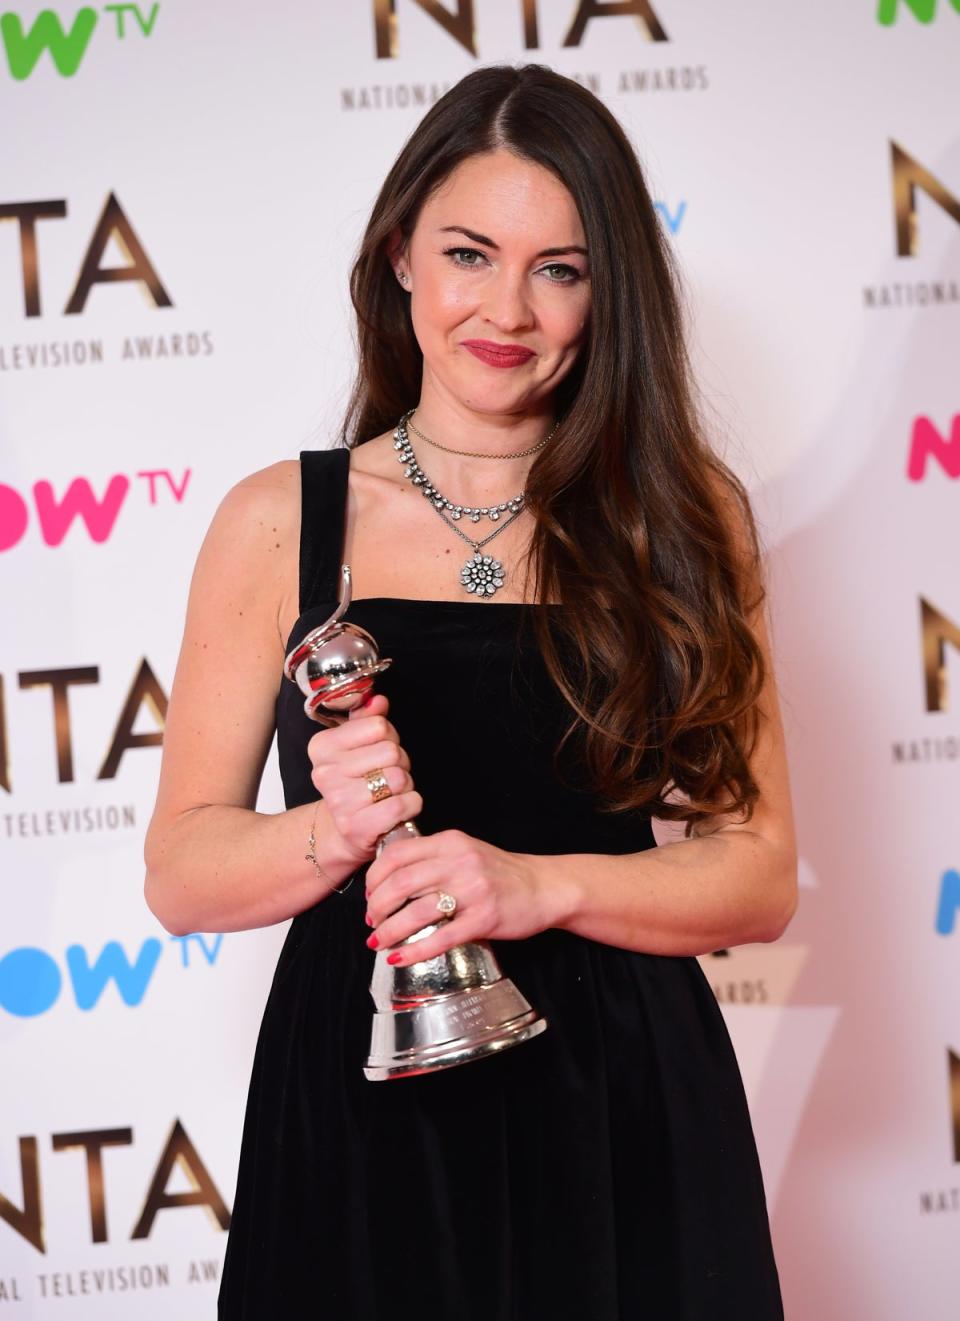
(457, 1006)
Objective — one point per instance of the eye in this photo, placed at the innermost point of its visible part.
(454, 253)
(570, 273)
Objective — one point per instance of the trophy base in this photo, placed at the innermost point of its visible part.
(449, 1029)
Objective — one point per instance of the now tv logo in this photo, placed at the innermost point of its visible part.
(67, 45)
(948, 902)
(80, 503)
(31, 979)
(929, 445)
(924, 11)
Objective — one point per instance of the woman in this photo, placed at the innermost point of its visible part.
(520, 338)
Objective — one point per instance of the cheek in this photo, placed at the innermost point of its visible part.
(440, 299)
(437, 313)
(568, 325)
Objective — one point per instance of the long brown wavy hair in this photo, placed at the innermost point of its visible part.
(634, 515)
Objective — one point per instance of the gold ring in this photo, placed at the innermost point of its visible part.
(446, 903)
(377, 784)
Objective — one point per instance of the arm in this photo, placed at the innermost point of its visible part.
(213, 863)
(731, 884)
(736, 885)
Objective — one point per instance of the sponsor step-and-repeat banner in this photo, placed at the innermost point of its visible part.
(182, 189)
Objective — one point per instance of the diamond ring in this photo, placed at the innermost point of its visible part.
(446, 903)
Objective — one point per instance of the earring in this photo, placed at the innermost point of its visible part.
(402, 276)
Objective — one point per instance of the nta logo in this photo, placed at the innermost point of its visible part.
(178, 1153)
(908, 176)
(936, 633)
(112, 224)
(460, 25)
(144, 691)
(67, 47)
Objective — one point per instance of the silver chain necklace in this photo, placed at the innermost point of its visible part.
(482, 575)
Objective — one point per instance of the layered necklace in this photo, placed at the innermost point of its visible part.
(481, 575)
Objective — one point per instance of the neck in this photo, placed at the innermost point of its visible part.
(478, 477)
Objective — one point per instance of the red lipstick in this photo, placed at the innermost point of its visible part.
(498, 355)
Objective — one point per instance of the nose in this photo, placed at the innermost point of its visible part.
(507, 302)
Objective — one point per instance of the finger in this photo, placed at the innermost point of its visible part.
(460, 931)
(346, 783)
(379, 818)
(376, 704)
(355, 734)
(328, 758)
(355, 793)
(403, 852)
(348, 795)
(410, 882)
(344, 732)
(377, 756)
(332, 765)
(409, 917)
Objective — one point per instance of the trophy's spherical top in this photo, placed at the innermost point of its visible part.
(336, 668)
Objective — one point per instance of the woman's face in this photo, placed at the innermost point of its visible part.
(519, 277)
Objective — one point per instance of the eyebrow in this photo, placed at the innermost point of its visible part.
(481, 238)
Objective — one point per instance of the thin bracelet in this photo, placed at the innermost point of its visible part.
(312, 857)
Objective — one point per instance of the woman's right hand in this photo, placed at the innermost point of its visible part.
(341, 755)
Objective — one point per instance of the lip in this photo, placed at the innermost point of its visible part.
(498, 355)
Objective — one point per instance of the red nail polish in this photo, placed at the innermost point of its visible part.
(373, 942)
(394, 957)
(369, 920)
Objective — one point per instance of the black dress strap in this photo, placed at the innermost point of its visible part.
(323, 516)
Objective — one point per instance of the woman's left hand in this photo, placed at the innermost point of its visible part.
(499, 895)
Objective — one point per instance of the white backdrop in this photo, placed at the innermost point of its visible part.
(225, 157)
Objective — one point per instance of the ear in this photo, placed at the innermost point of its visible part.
(396, 248)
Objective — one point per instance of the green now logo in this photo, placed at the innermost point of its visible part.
(924, 11)
(67, 46)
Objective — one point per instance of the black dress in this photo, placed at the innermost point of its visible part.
(605, 1170)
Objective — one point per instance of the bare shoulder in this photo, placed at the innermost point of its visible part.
(272, 492)
(255, 533)
(263, 508)
(252, 543)
(220, 718)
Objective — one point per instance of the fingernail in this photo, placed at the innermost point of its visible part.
(369, 920)
(394, 958)
(373, 942)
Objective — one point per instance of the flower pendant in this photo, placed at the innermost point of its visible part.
(482, 575)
